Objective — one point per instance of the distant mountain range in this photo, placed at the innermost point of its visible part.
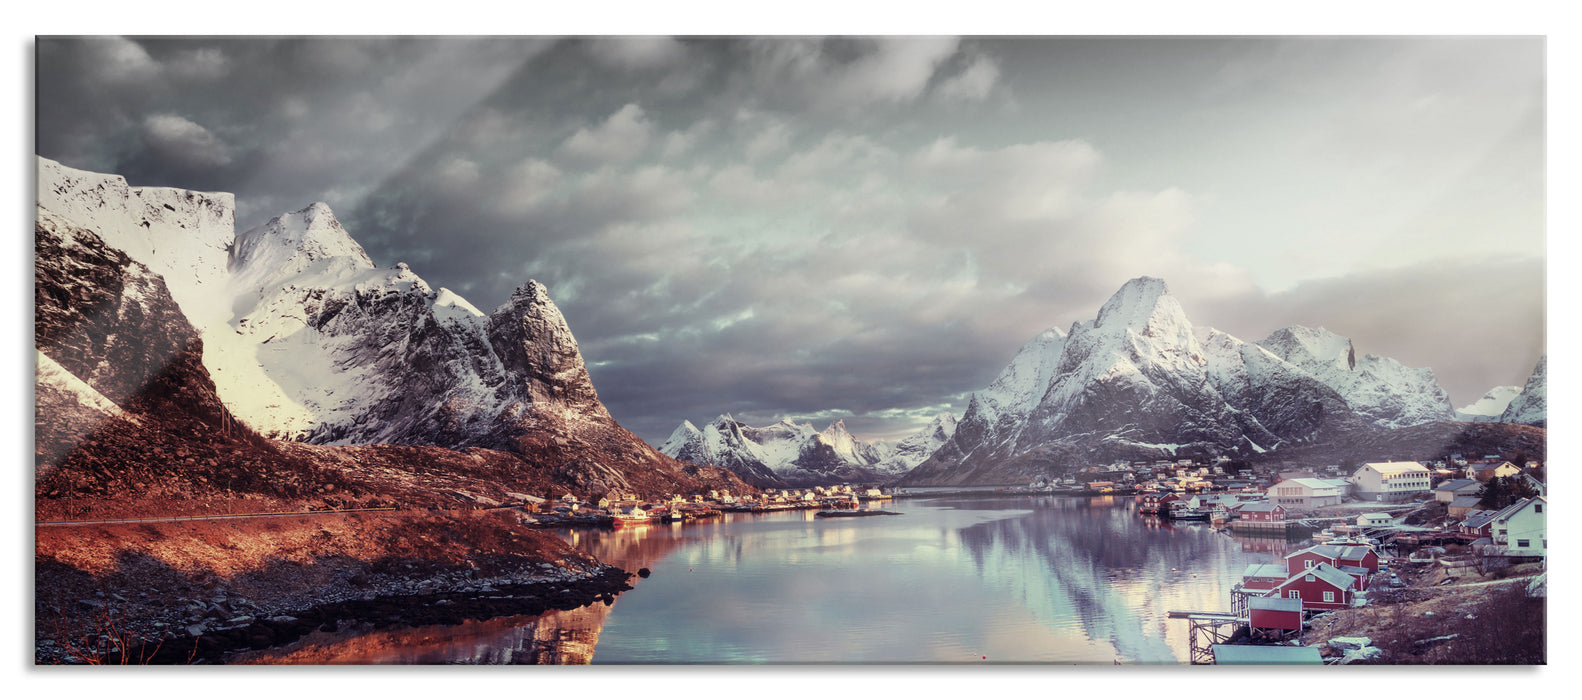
(279, 344)
(1141, 382)
(788, 453)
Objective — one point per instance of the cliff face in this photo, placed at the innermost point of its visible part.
(124, 405)
(290, 332)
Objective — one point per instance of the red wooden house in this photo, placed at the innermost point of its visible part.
(1358, 561)
(1258, 579)
(1477, 525)
(1322, 587)
(1360, 556)
(1154, 502)
(1269, 613)
(1262, 512)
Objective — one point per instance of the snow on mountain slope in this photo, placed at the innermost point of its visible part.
(913, 449)
(1531, 407)
(1136, 374)
(1491, 406)
(722, 444)
(1382, 390)
(183, 236)
(307, 339)
(1138, 381)
(291, 330)
(791, 453)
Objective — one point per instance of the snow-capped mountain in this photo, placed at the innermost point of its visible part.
(306, 339)
(722, 444)
(1531, 407)
(790, 453)
(1382, 390)
(1491, 406)
(1139, 381)
(910, 451)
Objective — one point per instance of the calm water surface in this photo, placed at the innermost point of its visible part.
(957, 579)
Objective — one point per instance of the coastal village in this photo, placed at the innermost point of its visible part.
(628, 509)
(1380, 529)
(1379, 532)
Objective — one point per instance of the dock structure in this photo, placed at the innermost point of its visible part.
(1207, 629)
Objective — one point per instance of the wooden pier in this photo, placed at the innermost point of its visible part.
(1208, 629)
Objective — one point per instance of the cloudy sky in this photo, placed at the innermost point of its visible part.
(869, 229)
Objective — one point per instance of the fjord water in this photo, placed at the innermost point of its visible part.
(974, 579)
(1010, 578)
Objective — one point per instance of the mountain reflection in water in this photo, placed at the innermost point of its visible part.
(957, 579)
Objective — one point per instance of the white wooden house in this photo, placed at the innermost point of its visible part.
(1522, 527)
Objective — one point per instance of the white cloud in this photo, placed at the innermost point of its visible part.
(637, 52)
(897, 71)
(771, 140)
(183, 141)
(973, 83)
(681, 143)
(1025, 181)
(207, 63)
(621, 138)
(457, 176)
(526, 186)
(844, 74)
(121, 60)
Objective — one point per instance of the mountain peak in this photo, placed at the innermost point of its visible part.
(533, 340)
(1136, 304)
(531, 291)
(1319, 344)
(288, 244)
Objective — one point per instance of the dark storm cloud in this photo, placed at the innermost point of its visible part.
(847, 228)
(280, 122)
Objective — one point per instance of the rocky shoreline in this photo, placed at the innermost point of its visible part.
(206, 630)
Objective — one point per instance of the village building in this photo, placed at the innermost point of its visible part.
(1477, 524)
(1462, 505)
(1390, 481)
(1261, 512)
(1258, 579)
(1537, 486)
(1321, 587)
(1264, 655)
(1358, 561)
(1489, 471)
(1307, 493)
(1374, 519)
(1155, 502)
(1450, 490)
(1275, 614)
(1522, 527)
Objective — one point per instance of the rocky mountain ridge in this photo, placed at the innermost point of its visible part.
(289, 331)
(1141, 382)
